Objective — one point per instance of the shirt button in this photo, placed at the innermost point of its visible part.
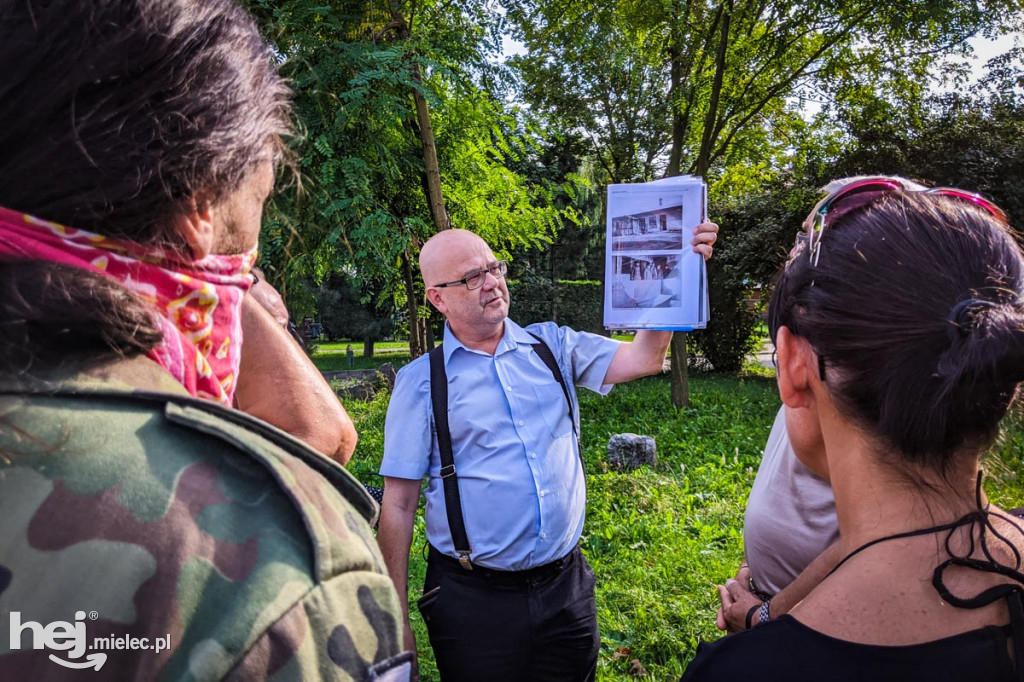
(543, 493)
(521, 422)
(543, 536)
(508, 388)
(533, 455)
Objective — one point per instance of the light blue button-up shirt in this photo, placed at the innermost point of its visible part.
(522, 487)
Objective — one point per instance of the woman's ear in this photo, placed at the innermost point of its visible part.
(798, 368)
(197, 228)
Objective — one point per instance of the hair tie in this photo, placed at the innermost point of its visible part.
(963, 315)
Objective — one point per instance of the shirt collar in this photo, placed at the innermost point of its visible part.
(510, 340)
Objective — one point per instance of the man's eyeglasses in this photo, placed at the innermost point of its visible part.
(862, 192)
(476, 279)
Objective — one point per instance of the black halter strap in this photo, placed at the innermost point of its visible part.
(977, 522)
(896, 536)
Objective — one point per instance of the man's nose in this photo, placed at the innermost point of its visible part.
(490, 281)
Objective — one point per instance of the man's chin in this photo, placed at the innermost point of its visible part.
(496, 311)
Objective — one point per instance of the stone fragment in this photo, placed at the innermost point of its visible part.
(629, 451)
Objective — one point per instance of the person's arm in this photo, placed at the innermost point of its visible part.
(279, 384)
(645, 354)
(394, 535)
(737, 599)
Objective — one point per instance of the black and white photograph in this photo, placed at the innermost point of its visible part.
(647, 281)
(659, 228)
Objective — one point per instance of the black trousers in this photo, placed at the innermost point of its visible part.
(504, 626)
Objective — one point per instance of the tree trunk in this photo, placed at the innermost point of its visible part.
(431, 169)
(680, 376)
(415, 349)
(680, 379)
(368, 349)
(708, 138)
(430, 165)
(420, 336)
(429, 338)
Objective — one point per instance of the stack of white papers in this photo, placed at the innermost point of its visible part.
(653, 279)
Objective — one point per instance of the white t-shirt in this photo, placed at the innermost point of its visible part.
(791, 514)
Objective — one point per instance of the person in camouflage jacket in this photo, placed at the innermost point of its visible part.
(169, 518)
(148, 530)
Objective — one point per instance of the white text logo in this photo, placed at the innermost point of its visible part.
(63, 636)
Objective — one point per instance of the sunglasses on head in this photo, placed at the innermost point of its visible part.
(860, 193)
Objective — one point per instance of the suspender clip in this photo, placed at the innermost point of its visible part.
(464, 561)
(448, 471)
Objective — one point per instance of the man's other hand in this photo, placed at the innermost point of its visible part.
(704, 237)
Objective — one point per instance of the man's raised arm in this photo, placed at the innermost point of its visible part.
(643, 356)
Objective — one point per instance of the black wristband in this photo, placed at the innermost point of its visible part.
(750, 615)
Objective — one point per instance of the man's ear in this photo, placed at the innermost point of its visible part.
(197, 227)
(798, 368)
(434, 296)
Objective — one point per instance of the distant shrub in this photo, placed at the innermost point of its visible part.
(576, 304)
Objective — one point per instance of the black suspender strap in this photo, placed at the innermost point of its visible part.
(452, 501)
(439, 402)
(548, 357)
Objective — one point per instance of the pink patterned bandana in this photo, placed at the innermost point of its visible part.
(199, 302)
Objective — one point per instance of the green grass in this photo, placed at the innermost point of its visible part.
(661, 538)
(329, 361)
(357, 346)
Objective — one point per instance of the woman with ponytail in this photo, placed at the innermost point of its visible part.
(899, 325)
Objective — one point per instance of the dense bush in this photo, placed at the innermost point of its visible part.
(571, 303)
(755, 232)
(349, 312)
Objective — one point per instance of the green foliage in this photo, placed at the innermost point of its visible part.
(531, 301)
(728, 337)
(363, 207)
(972, 139)
(728, 67)
(666, 87)
(660, 539)
(575, 304)
(756, 231)
(588, 69)
(348, 311)
(614, 92)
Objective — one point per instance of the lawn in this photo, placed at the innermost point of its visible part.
(357, 346)
(331, 359)
(660, 538)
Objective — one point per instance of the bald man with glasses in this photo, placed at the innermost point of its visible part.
(508, 596)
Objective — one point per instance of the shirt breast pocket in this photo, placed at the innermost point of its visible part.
(551, 403)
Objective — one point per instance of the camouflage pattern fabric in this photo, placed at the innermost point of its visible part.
(162, 516)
